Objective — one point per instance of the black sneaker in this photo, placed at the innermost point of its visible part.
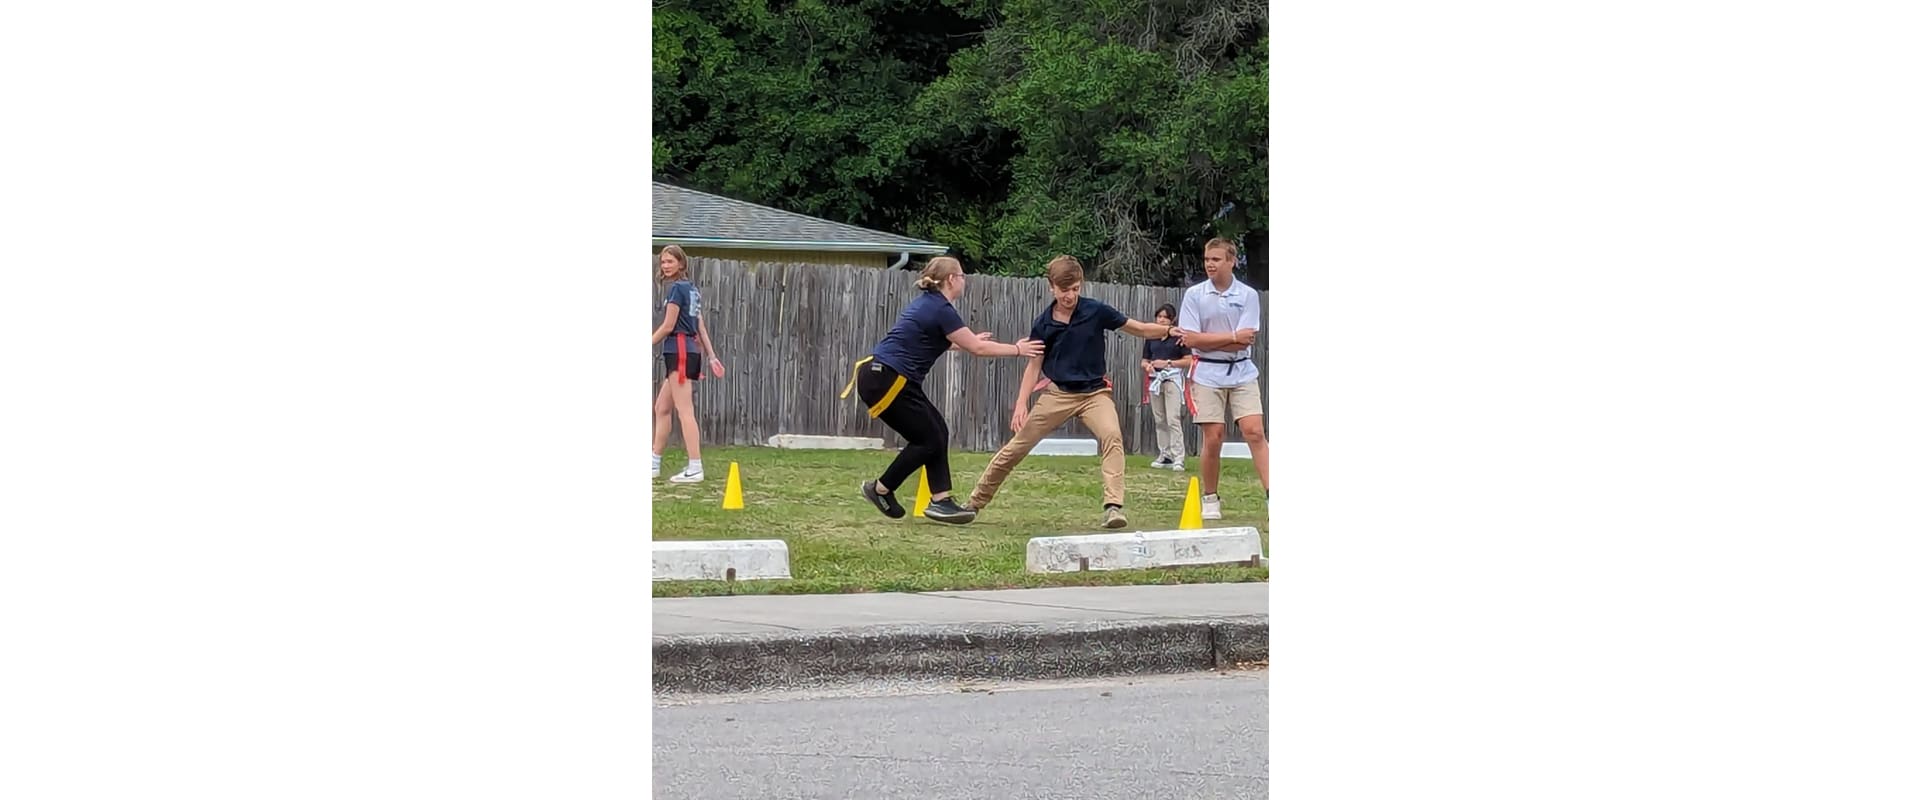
(884, 502)
(945, 510)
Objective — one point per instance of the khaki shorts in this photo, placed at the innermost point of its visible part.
(1213, 405)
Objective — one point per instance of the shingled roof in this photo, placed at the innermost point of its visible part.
(697, 219)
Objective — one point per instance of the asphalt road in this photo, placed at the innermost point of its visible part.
(1201, 735)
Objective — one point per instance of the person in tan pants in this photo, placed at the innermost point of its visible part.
(1167, 362)
(1073, 329)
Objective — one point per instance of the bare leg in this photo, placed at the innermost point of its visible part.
(1212, 436)
(1253, 428)
(663, 417)
(689, 427)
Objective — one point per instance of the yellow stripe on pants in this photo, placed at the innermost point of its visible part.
(899, 382)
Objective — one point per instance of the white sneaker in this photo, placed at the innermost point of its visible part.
(1158, 463)
(688, 475)
(1177, 466)
(656, 472)
(1209, 509)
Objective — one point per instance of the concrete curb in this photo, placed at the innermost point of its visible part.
(980, 651)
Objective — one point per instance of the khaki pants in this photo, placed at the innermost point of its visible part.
(1095, 410)
(1168, 403)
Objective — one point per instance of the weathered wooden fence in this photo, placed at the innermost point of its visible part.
(789, 334)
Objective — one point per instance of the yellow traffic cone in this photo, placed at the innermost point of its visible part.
(1190, 516)
(734, 500)
(920, 502)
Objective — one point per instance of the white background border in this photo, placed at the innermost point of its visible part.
(323, 443)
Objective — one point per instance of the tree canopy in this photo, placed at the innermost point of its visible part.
(1124, 132)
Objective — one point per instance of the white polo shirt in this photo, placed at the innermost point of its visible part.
(1207, 309)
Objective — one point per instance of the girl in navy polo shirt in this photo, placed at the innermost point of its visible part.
(684, 333)
(1166, 360)
(889, 383)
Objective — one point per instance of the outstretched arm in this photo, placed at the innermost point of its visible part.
(982, 344)
(987, 335)
(1145, 330)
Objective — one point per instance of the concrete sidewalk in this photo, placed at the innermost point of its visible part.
(706, 644)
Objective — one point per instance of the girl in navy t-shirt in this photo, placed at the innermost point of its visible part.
(683, 339)
(889, 383)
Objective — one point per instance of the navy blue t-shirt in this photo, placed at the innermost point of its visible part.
(919, 336)
(1076, 357)
(1157, 349)
(682, 294)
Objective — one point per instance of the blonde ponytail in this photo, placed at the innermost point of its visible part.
(937, 272)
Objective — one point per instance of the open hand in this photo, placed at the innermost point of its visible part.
(719, 369)
(1019, 418)
(1029, 348)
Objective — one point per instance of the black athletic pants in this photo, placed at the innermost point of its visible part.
(911, 415)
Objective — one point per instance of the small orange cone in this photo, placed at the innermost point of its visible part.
(1190, 516)
(734, 500)
(921, 501)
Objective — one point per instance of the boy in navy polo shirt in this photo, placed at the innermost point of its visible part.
(1074, 331)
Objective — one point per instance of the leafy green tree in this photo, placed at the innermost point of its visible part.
(1141, 130)
(1126, 132)
(797, 105)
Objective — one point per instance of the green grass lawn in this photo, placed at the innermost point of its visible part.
(838, 542)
